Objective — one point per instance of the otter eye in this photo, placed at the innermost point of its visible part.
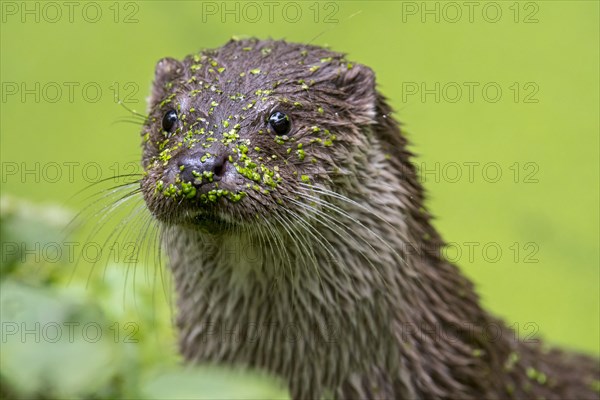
(280, 123)
(169, 120)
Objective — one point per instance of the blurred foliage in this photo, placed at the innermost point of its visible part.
(69, 334)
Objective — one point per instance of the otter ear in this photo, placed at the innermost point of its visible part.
(357, 82)
(167, 70)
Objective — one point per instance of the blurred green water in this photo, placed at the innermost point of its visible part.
(544, 142)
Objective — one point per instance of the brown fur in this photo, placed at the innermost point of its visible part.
(336, 284)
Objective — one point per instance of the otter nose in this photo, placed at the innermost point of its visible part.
(202, 168)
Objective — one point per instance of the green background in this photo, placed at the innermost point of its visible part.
(551, 137)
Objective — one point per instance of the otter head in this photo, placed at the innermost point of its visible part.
(242, 133)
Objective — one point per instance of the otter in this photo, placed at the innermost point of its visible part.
(296, 232)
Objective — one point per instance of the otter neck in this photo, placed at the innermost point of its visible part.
(372, 294)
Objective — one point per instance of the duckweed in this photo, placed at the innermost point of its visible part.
(247, 159)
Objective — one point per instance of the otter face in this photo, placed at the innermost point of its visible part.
(240, 133)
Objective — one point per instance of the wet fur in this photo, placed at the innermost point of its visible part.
(339, 288)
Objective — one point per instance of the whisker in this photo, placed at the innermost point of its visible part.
(347, 233)
(340, 211)
(275, 234)
(132, 112)
(100, 223)
(305, 251)
(127, 120)
(114, 177)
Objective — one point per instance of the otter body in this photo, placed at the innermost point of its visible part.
(296, 232)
